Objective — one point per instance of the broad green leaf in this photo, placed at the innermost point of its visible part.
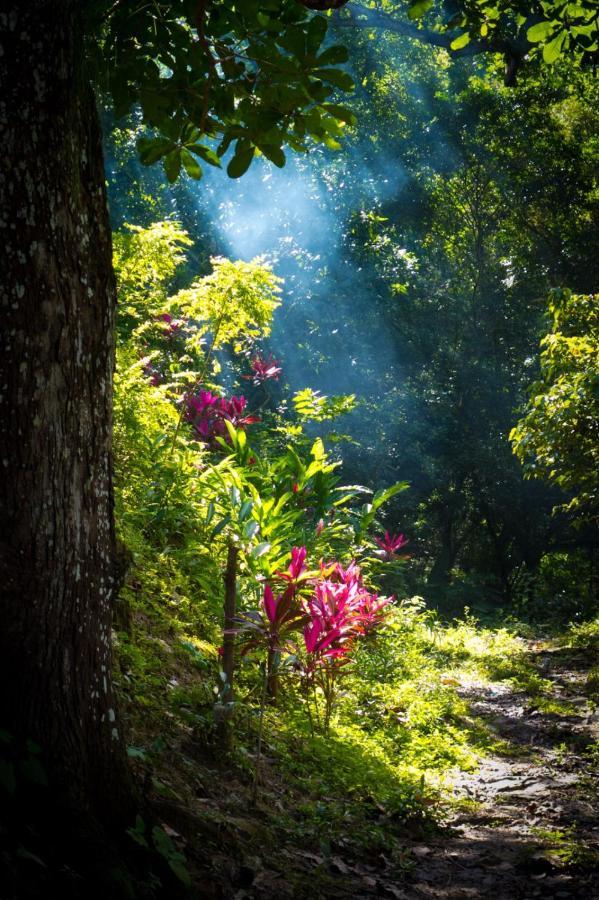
(172, 165)
(333, 56)
(245, 510)
(341, 112)
(335, 76)
(259, 550)
(152, 149)
(317, 30)
(220, 527)
(418, 9)
(241, 160)
(251, 529)
(385, 494)
(206, 154)
(191, 165)
(553, 49)
(540, 31)
(274, 154)
(460, 42)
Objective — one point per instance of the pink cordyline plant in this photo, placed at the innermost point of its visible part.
(151, 371)
(341, 610)
(207, 413)
(390, 544)
(332, 607)
(297, 566)
(172, 326)
(264, 368)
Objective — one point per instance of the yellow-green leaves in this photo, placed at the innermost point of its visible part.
(235, 302)
(419, 8)
(461, 41)
(558, 437)
(312, 405)
(145, 261)
(540, 31)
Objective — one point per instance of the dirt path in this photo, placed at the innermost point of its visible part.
(526, 823)
(533, 830)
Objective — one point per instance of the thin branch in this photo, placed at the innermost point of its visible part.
(373, 18)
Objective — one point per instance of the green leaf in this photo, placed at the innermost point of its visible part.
(220, 527)
(206, 154)
(245, 510)
(274, 154)
(152, 149)
(172, 164)
(191, 165)
(419, 8)
(333, 56)
(335, 76)
(210, 512)
(341, 112)
(250, 530)
(136, 753)
(179, 868)
(385, 494)
(259, 550)
(317, 29)
(241, 161)
(461, 41)
(540, 31)
(553, 49)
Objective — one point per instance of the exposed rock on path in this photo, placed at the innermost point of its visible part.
(533, 829)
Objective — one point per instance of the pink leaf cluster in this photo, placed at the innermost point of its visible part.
(172, 326)
(341, 609)
(151, 371)
(264, 369)
(336, 609)
(207, 413)
(390, 544)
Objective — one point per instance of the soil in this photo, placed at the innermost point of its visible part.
(534, 827)
(523, 825)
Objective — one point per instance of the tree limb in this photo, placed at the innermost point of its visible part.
(374, 18)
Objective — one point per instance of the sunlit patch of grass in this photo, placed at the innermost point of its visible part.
(592, 685)
(584, 636)
(563, 847)
(484, 653)
(553, 706)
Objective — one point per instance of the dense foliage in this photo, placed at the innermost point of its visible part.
(449, 213)
(558, 439)
(328, 378)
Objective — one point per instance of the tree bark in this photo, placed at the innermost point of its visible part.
(57, 291)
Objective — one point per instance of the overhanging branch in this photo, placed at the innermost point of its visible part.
(374, 18)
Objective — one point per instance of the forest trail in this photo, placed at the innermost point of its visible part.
(524, 824)
(533, 828)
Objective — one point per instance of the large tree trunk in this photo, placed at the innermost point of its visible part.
(56, 519)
